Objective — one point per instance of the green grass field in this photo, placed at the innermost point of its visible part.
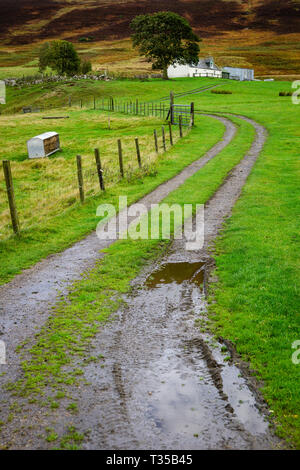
(57, 94)
(257, 257)
(50, 185)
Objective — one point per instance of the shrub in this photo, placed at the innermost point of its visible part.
(61, 56)
(222, 92)
(86, 39)
(86, 67)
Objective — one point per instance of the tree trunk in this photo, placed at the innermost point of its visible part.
(165, 74)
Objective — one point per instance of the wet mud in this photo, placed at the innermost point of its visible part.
(167, 384)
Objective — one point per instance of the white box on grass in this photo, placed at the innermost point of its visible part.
(43, 145)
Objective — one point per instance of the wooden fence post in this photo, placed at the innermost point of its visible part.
(192, 114)
(155, 140)
(138, 153)
(180, 125)
(94, 102)
(80, 178)
(81, 104)
(170, 133)
(120, 158)
(11, 197)
(163, 138)
(99, 170)
(171, 107)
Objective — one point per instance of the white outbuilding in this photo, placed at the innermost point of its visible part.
(238, 73)
(204, 68)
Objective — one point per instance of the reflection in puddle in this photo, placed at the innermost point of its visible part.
(189, 395)
(178, 273)
(181, 402)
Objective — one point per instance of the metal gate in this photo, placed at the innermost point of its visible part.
(185, 111)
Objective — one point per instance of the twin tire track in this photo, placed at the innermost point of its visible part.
(26, 301)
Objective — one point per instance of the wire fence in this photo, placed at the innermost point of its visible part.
(47, 194)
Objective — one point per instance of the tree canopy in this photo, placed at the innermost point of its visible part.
(165, 38)
(61, 56)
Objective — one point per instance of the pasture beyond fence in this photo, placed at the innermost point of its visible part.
(162, 140)
(161, 109)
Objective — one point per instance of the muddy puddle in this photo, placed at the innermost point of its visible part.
(177, 273)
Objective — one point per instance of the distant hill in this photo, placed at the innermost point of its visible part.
(25, 22)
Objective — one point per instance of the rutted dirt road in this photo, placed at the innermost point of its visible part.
(164, 384)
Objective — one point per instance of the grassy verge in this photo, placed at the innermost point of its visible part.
(257, 258)
(74, 222)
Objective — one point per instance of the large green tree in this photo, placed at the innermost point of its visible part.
(61, 56)
(165, 38)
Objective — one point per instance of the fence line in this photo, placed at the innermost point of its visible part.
(160, 109)
(181, 115)
(96, 171)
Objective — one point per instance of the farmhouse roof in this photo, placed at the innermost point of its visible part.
(207, 63)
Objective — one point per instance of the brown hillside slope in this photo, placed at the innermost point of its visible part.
(224, 25)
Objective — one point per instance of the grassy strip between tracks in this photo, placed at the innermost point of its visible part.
(65, 338)
(59, 232)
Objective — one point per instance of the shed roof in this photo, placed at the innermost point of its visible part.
(45, 135)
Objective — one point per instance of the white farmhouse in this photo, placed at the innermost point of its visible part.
(204, 68)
